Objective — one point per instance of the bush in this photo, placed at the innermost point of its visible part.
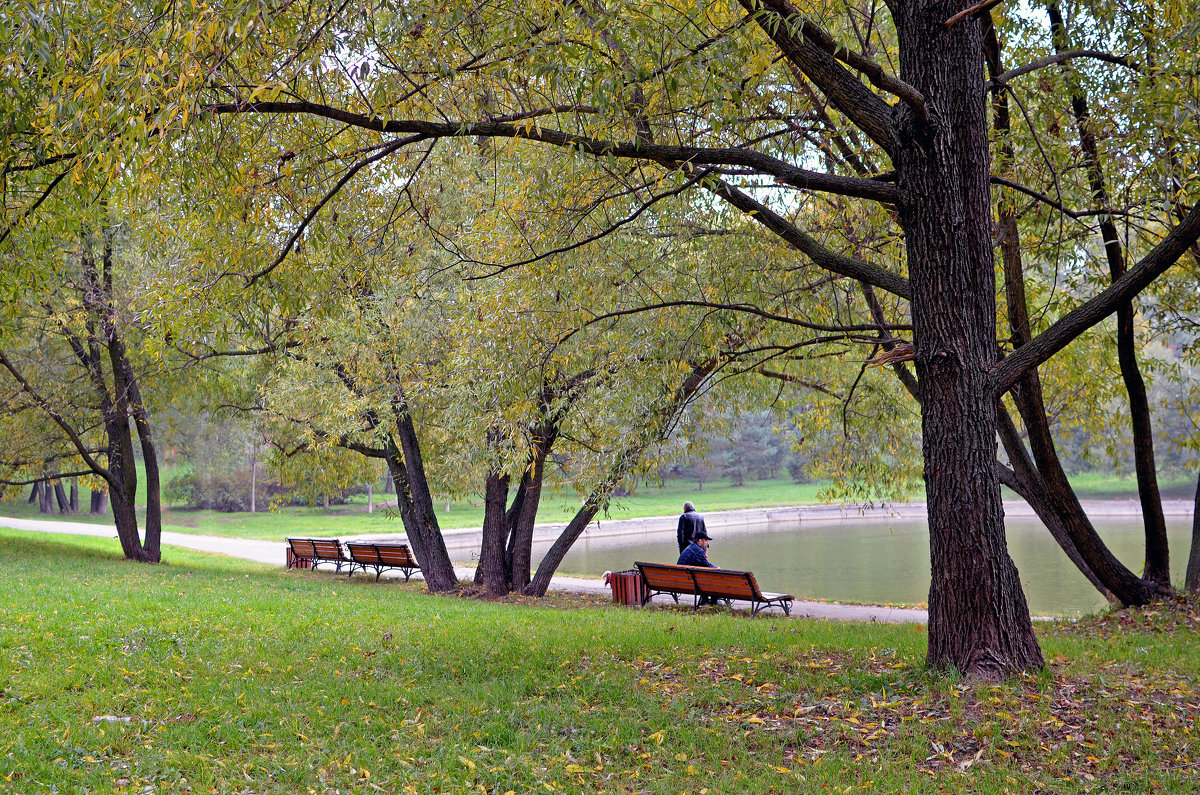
(227, 491)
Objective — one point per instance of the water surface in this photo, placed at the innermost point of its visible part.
(882, 561)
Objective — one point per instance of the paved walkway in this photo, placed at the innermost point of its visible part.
(274, 553)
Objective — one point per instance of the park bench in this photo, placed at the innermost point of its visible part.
(308, 552)
(701, 582)
(381, 557)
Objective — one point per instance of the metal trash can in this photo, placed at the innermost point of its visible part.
(627, 587)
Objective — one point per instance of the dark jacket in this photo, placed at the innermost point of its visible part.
(689, 523)
(694, 555)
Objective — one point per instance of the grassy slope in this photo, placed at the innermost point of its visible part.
(352, 519)
(238, 678)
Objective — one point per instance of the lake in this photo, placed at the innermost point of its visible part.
(883, 561)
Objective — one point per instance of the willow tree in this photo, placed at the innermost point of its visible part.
(721, 99)
(768, 109)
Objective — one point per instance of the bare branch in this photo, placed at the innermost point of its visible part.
(1058, 336)
(1062, 57)
(670, 156)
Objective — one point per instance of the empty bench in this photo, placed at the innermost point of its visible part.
(381, 557)
(701, 582)
(308, 552)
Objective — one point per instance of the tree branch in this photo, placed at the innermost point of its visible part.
(669, 156)
(847, 93)
(1062, 57)
(1074, 323)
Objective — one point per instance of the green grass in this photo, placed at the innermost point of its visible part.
(352, 519)
(222, 676)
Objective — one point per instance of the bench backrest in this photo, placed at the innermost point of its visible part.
(667, 577)
(320, 548)
(722, 583)
(383, 554)
(727, 584)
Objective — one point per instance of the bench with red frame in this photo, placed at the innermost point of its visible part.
(381, 557)
(705, 583)
(309, 552)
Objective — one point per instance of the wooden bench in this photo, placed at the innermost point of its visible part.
(701, 582)
(311, 551)
(381, 557)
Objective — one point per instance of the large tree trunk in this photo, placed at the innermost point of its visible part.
(35, 493)
(978, 618)
(492, 571)
(426, 541)
(1158, 563)
(422, 507)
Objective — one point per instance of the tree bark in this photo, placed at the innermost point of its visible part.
(46, 498)
(492, 571)
(60, 496)
(1192, 583)
(561, 546)
(74, 501)
(978, 618)
(99, 502)
(35, 493)
(417, 512)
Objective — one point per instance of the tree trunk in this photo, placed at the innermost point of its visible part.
(99, 502)
(1158, 562)
(60, 496)
(521, 539)
(1192, 582)
(46, 498)
(1046, 485)
(561, 546)
(74, 501)
(422, 505)
(492, 571)
(426, 540)
(978, 617)
(254, 478)
(35, 493)
(1025, 481)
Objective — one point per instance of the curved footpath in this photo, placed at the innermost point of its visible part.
(467, 540)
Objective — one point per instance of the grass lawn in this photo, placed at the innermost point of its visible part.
(352, 519)
(213, 675)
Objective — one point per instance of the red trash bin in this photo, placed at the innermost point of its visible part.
(627, 587)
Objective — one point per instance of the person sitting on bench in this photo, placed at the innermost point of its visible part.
(696, 554)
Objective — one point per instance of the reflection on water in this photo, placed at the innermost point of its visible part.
(881, 561)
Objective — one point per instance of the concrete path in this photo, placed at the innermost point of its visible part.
(274, 553)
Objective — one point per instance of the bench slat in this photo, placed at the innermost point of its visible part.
(382, 557)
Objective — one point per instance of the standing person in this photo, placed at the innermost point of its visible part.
(689, 523)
